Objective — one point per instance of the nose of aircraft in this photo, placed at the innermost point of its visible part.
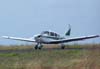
(38, 37)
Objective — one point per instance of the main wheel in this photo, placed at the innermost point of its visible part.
(62, 47)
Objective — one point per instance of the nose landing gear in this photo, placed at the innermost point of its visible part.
(38, 46)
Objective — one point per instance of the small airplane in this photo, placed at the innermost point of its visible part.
(48, 37)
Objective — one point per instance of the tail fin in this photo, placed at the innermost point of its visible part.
(69, 31)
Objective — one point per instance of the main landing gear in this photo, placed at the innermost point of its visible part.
(62, 46)
(39, 46)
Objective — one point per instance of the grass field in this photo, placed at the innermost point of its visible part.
(50, 57)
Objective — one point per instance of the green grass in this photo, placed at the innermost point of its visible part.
(74, 58)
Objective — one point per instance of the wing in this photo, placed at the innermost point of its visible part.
(72, 39)
(17, 38)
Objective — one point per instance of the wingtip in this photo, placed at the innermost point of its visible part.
(4, 36)
(97, 35)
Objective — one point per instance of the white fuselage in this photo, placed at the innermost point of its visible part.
(47, 37)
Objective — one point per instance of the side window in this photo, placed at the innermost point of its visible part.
(55, 34)
(52, 34)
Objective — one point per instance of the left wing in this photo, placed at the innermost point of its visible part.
(18, 38)
(72, 39)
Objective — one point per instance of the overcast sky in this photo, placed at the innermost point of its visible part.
(25, 18)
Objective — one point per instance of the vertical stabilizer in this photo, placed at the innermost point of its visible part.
(69, 31)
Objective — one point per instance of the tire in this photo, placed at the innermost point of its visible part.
(40, 47)
(62, 47)
(36, 47)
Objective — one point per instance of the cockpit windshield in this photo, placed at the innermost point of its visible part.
(47, 33)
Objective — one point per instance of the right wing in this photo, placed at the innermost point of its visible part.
(18, 38)
(72, 39)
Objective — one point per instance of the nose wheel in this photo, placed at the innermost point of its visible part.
(38, 46)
